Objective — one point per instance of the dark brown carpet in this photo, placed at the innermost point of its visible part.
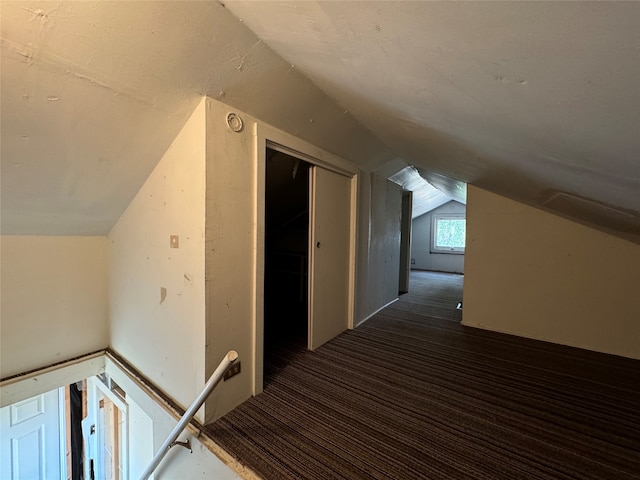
(411, 394)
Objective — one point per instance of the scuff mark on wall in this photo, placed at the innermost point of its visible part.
(163, 294)
(507, 79)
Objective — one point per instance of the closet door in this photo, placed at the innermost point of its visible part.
(329, 255)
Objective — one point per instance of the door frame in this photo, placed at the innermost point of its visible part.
(266, 136)
(62, 419)
(95, 387)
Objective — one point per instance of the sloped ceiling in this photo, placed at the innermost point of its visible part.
(527, 99)
(94, 92)
(425, 196)
(538, 101)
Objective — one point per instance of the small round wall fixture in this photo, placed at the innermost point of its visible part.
(235, 122)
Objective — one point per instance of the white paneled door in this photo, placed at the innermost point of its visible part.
(329, 255)
(30, 438)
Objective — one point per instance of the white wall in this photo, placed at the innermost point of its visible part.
(141, 441)
(157, 292)
(54, 300)
(421, 243)
(537, 275)
(230, 246)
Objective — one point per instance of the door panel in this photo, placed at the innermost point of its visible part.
(30, 438)
(329, 255)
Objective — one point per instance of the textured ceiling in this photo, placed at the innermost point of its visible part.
(538, 101)
(94, 92)
(524, 98)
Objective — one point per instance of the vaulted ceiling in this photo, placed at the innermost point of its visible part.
(537, 101)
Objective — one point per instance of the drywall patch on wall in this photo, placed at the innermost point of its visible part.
(54, 300)
(537, 275)
(594, 212)
(159, 328)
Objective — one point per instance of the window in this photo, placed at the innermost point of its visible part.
(448, 233)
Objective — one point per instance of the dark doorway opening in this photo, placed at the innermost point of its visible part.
(77, 397)
(286, 260)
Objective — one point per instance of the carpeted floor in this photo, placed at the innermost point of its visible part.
(412, 394)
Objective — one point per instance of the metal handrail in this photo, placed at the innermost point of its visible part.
(214, 379)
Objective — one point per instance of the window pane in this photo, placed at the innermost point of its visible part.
(450, 233)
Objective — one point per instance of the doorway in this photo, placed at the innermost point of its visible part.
(305, 212)
(405, 241)
(105, 430)
(286, 257)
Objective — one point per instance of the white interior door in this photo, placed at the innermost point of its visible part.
(30, 438)
(329, 255)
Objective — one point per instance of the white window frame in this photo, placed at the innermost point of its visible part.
(434, 231)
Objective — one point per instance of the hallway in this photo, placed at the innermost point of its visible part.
(412, 394)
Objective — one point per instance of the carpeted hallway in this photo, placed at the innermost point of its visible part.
(412, 394)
